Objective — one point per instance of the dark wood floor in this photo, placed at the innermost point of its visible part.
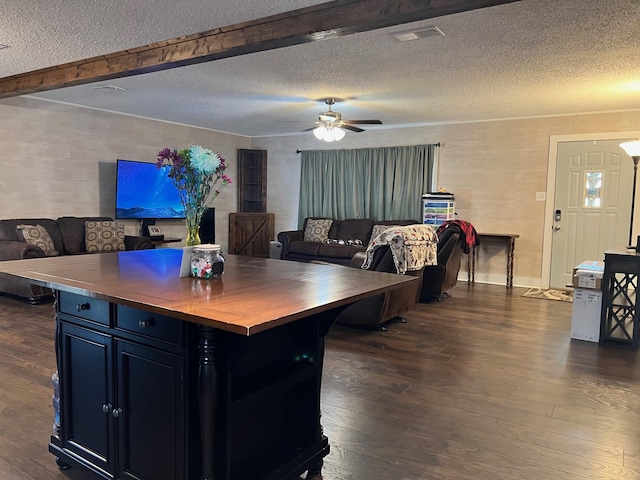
(485, 385)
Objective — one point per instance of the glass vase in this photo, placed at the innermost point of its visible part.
(193, 227)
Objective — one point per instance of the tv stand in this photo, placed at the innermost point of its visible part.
(155, 242)
(145, 226)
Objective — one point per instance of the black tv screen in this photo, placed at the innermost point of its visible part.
(144, 191)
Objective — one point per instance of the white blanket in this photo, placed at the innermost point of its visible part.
(412, 247)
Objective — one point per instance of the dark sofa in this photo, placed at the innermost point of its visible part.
(346, 231)
(68, 237)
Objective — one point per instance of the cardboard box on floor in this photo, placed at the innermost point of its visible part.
(585, 318)
(588, 275)
(587, 300)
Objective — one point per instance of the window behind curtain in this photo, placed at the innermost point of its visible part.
(380, 183)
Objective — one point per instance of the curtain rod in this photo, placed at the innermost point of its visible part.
(434, 144)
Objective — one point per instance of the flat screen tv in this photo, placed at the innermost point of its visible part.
(144, 191)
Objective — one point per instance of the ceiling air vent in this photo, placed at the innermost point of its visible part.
(409, 35)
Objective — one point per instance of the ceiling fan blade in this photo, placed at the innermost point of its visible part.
(363, 122)
(352, 128)
(309, 129)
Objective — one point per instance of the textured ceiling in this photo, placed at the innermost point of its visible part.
(529, 58)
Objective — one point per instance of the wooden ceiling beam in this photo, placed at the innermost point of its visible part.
(325, 20)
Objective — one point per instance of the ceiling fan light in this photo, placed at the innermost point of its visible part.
(329, 135)
(319, 132)
(339, 134)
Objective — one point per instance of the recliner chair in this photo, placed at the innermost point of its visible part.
(374, 311)
(439, 279)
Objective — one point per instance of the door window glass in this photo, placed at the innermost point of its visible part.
(593, 188)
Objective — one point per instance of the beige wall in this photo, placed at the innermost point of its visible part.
(494, 168)
(60, 160)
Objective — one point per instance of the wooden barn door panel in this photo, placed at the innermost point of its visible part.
(250, 233)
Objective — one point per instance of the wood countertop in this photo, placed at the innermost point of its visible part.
(253, 295)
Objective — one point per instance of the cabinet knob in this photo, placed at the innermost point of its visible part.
(144, 323)
(106, 408)
(83, 306)
(116, 412)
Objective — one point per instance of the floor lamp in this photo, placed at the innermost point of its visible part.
(633, 150)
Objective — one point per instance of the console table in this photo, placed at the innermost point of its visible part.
(620, 315)
(169, 378)
(510, 241)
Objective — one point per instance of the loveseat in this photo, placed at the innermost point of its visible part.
(64, 236)
(332, 241)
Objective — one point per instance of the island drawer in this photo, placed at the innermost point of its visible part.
(84, 307)
(148, 324)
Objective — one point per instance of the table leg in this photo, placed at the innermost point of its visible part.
(471, 265)
(207, 398)
(511, 246)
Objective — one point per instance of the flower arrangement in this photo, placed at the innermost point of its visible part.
(198, 174)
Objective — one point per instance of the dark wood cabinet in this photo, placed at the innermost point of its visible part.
(121, 379)
(133, 406)
(252, 181)
(250, 233)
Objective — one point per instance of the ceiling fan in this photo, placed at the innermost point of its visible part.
(330, 125)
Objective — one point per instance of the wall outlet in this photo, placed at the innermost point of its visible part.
(541, 196)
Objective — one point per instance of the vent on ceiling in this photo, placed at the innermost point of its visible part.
(408, 35)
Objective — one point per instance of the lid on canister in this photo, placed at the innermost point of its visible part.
(208, 247)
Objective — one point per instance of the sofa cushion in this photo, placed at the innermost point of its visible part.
(37, 235)
(305, 248)
(72, 230)
(317, 229)
(106, 236)
(339, 251)
(355, 229)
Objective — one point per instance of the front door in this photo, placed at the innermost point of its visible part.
(592, 204)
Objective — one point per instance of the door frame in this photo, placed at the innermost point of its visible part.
(554, 140)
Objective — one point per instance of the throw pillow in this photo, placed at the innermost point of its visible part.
(378, 229)
(317, 230)
(103, 236)
(37, 235)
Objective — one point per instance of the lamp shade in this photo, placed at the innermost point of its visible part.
(632, 148)
(319, 132)
(329, 135)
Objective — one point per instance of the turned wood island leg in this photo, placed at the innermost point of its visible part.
(207, 398)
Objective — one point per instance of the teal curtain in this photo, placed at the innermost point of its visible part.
(380, 183)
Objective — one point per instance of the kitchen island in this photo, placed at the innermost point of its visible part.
(164, 377)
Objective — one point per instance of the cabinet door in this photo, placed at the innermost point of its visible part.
(86, 381)
(252, 181)
(250, 233)
(150, 413)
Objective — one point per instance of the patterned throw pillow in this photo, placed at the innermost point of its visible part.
(103, 236)
(378, 229)
(37, 235)
(317, 230)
